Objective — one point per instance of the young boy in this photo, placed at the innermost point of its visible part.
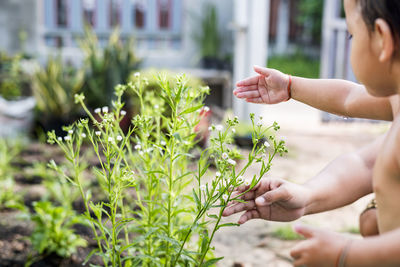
(375, 29)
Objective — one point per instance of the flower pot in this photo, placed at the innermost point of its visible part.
(16, 116)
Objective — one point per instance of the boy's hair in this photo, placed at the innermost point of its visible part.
(389, 10)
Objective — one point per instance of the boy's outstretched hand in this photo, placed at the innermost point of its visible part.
(268, 87)
(320, 249)
(270, 199)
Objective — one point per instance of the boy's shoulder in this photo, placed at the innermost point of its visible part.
(395, 103)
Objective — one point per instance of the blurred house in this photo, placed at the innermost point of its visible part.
(163, 29)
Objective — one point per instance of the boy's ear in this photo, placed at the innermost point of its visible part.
(386, 41)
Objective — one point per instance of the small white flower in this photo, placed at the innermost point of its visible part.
(219, 127)
(186, 143)
(59, 138)
(66, 138)
(70, 131)
(156, 106)
(83, 135)
(98, 133)
(233, 130)
(203, 187)
(97, 110)
(119, 138)
(105, 109)
(138, 147)
(247, 182)
(266, 144)
(259, 123)
(225, 197)
(210, 128)
(232, 162)
(163, 143)
(224, 155)
(206, 109)
(137, 74)
(110, 139)
(141, 153)
(123, 112)
(149, 150)
(240, 179)
(236, 118)
(218, 174)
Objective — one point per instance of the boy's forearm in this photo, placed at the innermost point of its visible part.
(340, 97)
(382, 250)
(344, 180)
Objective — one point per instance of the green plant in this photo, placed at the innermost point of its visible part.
(160, 209)
(106, 67)
(310, 15)
(207, 35)
(14, 83)
(297, 65)
(54, 88)
(285, 232)
(53, 231)
(9, 150)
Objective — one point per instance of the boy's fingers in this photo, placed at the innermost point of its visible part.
(263, 71)
(272, 196)
(304, 230)
(248, 94)
(257, 100)
(238, 208)
(246, 88)
(299, 249)
(249, 215)
(248, 81)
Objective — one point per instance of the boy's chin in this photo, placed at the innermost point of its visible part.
(380, 92)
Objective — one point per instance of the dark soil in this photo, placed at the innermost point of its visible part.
(15, 246)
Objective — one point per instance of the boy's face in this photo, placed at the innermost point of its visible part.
(364, 53)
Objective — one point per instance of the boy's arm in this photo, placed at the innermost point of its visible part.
(325, 248)
(382, 250)
(340, 97)
(344, 180)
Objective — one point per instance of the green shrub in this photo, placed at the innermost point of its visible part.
(54, 87)
(297, 65)
(53, 231)
(106, 67)
(14, 83)
(158, 208)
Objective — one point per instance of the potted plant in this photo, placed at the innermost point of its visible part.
(16, 102)
(208, 38)
(54, 87)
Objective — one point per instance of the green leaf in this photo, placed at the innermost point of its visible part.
(196, 198)
(191, 109)
(211, 262)
(227, 225)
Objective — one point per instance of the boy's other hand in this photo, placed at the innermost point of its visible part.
(268, 87)
(320, 249)
(270, 199)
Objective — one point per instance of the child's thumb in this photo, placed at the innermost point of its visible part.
(304, 230)
(261, 70)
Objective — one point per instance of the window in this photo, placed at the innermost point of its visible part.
(61, 13)
(138, 13)
(164, 14)
(115, 12)
(89, 11)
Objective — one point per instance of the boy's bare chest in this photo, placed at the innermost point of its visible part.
(386, 181)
